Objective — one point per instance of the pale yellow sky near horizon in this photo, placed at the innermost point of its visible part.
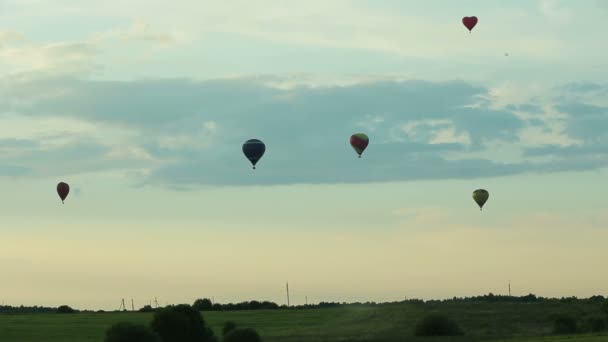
(415, 251)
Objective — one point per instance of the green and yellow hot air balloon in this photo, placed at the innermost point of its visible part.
(480, 196)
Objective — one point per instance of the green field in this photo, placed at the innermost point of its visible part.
(523, 322)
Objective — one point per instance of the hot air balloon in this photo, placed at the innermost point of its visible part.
(63, 189)
(254, 150)
(480, 196)
(469, 22)
(359, 142)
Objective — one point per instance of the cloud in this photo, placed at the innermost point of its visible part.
(138, 31)
(22, 59)
(555, 9)
(10, 37)
(584, 121)
(183, 132)
(19, 56)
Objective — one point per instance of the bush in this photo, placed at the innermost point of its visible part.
(242, 335)
(129, 332)
(605, 307)
(65, 309)
(565, 325)
(597, 324)
(437, 325)
(228, 327)
(181, 323)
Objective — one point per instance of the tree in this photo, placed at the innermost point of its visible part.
(146, 308)
(181, 323)
(65, 309)
(129, 332)
(242, 335)
(203, 304)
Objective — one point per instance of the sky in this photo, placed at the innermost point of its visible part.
(143, 110)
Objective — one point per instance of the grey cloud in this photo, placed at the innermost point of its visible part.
(13, 170)
(568, 151)
(585, 121)
(582, 87)
(85, 156)
(306, 130)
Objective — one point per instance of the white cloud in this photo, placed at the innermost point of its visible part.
(140, 30)
(555, 10)
(449, 135)
(10, 37)
(435, 132)
(200, 138)
(55, 132)
(551, 134)
(123, 152)
(56, 58)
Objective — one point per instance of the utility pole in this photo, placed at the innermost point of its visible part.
(509, 288)
(287, 286)
(122, 305)
(132, 305)
(156, 302)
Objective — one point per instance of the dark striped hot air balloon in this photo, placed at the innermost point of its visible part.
(63, 189)
(480, 196)
(254, 150)
(359, 142)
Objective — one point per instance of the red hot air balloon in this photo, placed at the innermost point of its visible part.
(63, 189)
(469, 22)
(359, 142)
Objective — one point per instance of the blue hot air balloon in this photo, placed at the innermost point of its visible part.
(254, 150)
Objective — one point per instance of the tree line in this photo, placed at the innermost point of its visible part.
(205, 304)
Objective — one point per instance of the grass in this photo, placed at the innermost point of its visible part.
(568, 338)
(481, 322)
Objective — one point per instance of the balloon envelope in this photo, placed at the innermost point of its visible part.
(254, 150)
(359, 142)
(63, 189)
(469, 22)
(480, 196)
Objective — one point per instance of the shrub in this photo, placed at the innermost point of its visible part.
(129, 332)
(565, 325)
(65, 309)
(437, 325)
(597, 324)
(228, 327)
(604, 307)
(181, 323)
(242, 335)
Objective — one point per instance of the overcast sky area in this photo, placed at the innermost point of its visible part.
(143, 110)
